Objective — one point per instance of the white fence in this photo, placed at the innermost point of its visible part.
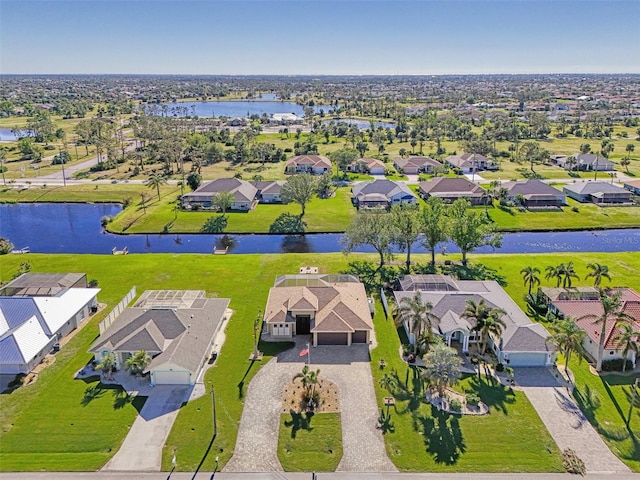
(106, 323)
(385, 305)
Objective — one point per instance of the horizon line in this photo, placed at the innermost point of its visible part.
(321, 74)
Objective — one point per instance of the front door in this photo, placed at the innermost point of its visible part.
(303, 324)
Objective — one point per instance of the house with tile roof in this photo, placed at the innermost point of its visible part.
(451, 189)
(416, 165)
(37, 314)
(334, 310)
(583, 305)
(534, 193)
(244, 193)
(372, 166)
(382, 194)
(176, 328)
(269, 191)
(314, 164)
(600, 193)
(523, 343)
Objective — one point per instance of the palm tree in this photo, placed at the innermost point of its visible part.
(476, 312)
(223, 201)
(308, 378)
(530, 276)
(491, 326)
(630, 342)
(611, 312)
(598, 272)
(555, 272)
(571, 162)
(442, 367)
(568, 337)
(137, 362)
(417, 314)
(155, 181)
(625, 162)
(108, 363)
(568, 273)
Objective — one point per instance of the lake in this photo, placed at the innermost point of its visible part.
(75, 228)
(7, 135)
(236, 108)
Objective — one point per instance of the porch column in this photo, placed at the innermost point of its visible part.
(349, 337)
(448, 340)
(465, 343)
(315, 339)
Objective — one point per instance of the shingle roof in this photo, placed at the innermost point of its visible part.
(179, 336)
(443, 186)
(590, 159)
(466, 159)
(388, 188)
(242, 190)
(416, 161)
(531, 187)
(592, 188)
(312, 160)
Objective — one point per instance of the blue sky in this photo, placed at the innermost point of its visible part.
(319, 37)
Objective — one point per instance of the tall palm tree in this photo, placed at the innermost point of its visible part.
(630, 342)
(155, 181)
(611, 312)
(308, 378)
(223, 201)
(556, 272)
(491, 326)
(568, 273)
(417, 314)
(530, 276)
(568, 337)
(108, 364)
(598, 272)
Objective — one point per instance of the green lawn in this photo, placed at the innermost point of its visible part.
(605, 401)
(512, 438)
(310, 442)
(322, 215)
(53, 403)
(115, 193)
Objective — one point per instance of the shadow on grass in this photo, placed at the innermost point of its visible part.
(120, 397)
(492, 393)
(93, 393)
(410, 390)
(442, 436)
(299, 421)
(589, 402)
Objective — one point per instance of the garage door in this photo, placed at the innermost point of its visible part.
(332, 339)
(527, 359)
(359, 337)
(171, 377)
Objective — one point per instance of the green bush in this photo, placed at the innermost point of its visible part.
(455, 405)
(472, 399)
(615, 365)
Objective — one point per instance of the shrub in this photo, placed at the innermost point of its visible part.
(472, 399)
(5, 246)
(195, 207)
(615, 365)
(575, 209)
(127, 201)
(572, 463)
(93, 283)
(500, 367)
(455, 405)
(104, 221)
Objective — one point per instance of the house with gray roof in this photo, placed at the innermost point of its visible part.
(40, 309)
(333, 309)
(451, 189)
(523, 343)
(177, 328)
(269, 191)
(584, 162)
(470, 162)
(415, 165)
(243, 192)
(534, 193)
(382, 194)
(600, 193)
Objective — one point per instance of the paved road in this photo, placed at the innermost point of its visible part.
(306, 476)
(363, 445)
(565, 422)
(142, 448)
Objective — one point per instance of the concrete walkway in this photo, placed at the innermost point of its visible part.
(565, 422)
(142, 448)
(348, 368)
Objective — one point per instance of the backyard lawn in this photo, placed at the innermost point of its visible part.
(310, 442)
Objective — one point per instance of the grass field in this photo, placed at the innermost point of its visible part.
(246, 280)
(308, 442)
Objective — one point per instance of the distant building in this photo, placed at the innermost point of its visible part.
(534, 194)
(470, 162)
(243, 192)
(415, 165)
(600, 193)
(371, 166)
(314, 164)
(451, 189)
(382, 194)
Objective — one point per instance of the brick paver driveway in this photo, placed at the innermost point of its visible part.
(565, 422)
(347, 367)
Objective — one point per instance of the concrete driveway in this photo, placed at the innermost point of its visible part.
(142, 448)
(348, 368)
(565, 422)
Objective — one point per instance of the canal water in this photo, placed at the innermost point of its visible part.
(75, 228)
